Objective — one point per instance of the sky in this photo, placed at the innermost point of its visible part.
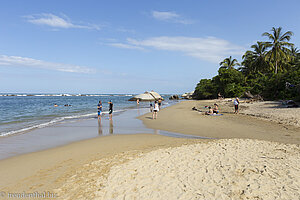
(118, 46)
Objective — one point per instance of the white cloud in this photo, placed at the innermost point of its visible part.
(170, 17)
(49, 19)
(164, 15)
(29, 62)
(125, 46)
(209, 48)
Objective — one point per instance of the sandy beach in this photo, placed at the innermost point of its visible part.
(52, 169)
(249, 158)
(225, 169)
(182, 119)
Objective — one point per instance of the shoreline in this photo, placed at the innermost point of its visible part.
(124, 122)
(181, 118)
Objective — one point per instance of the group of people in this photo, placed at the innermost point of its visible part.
(110, 109)
(155, 108)
(214, 110)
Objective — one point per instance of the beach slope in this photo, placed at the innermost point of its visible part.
(181, 118)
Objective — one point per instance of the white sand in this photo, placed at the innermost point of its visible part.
(223, 169)
(273, 111)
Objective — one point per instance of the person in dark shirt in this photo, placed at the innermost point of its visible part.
(110, 110)
(159, 103)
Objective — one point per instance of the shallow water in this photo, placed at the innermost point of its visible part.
(124, 122)
(25, 112)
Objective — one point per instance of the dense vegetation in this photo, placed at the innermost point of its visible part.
(271, 69)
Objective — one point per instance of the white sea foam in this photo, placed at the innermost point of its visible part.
(45, 124)
(68, 95)
(53, 122)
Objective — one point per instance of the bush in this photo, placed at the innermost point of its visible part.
(228, 82)
(205, 89)
(277, 86)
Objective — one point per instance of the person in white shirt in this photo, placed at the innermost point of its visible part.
(236, 103)
(155, 110)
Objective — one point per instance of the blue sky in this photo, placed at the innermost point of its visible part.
(117, 46)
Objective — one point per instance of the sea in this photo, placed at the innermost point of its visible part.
(20, 113)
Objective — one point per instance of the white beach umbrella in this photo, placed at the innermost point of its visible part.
(147, 96)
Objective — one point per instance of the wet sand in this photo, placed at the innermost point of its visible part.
(49, 169)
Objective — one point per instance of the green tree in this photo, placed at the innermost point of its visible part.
(259, 73)
(205, 89)
(229, 82)
(255, 61)
(294, 56)
(278, 54)
(229, 63)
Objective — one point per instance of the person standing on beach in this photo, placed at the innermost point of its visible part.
(99, 106)
(155, 110)
(151, 106)
(236, 103)
(110, 110)
(137, 101)
(159, 103)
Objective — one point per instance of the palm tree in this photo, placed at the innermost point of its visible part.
(228, 63)
(294, 57)
(294, 51)
(278, 44)
(255, 60)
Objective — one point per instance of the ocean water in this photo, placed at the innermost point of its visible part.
(20, 113)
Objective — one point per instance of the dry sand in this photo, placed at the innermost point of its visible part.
(273, 111)
(225, 169)
(262, 164)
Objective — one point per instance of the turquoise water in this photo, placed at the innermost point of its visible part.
(23, 112)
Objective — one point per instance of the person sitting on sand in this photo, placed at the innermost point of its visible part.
(210, 111)
(220, 96)
(216, 109)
